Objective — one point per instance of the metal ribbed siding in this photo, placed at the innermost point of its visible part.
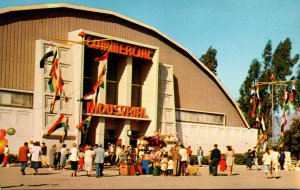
(194, 89)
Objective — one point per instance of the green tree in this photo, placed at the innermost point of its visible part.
(292, 138)
(264, 90)
(245, 91)
(209, 60)
(279, 64)
(296, 102)
(282, 65)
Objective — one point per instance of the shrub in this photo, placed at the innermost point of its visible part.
(194, 160)
(13, 158)
(239, 159)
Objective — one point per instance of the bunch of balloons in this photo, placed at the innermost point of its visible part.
(3, 141)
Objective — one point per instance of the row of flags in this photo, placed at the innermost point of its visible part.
(92, 96)
(288, 97)
(56, 84)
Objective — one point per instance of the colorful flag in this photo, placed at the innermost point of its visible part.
(60, 82)
(285, 96)
(257, 91)
(89, 96)
(55, 63)
(293, 92)
(66, 128)
(104, 55)
(85, 123)
(280, 143)
(263, 124)
(52, 83)
(259, 107)
(253, 109)
(60, 122)
(55, 98)
(283, 122)
(49, 53)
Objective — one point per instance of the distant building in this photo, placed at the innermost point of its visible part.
(151, 83)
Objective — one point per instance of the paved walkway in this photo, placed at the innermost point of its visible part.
(58, 179)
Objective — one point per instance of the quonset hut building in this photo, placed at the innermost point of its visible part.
(151, 82)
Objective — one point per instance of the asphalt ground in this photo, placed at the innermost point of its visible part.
(11, 178)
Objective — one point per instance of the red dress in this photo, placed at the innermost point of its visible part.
(222, 164)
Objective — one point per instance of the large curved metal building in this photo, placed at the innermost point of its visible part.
(151, 82)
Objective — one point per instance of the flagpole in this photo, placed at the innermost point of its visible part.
(272, 115)
(272, 83)
(82, 34)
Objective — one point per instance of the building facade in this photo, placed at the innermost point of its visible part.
(151, 82)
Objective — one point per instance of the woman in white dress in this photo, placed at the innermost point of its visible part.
(229, 160)
(88, 160)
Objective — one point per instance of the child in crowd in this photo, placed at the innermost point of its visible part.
(63, 156)
(170, 166)
(81, 160)
(164, 165)
(222, 164)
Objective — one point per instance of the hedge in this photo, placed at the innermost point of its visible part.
(239, 159)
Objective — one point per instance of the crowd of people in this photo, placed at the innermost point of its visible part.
(168, 161)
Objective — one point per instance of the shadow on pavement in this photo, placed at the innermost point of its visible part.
(12, 186)
(39, 185)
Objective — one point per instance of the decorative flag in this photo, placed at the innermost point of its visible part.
(104, 55)
(272, 77)
(293, 92)
(280, 143)
(52, 83)
(55, 97)
(259, 106)
(257, 91)
(66, 128)
(253, 109)
(285, 96)
(260, 138)
(60, 83)
(263, 124)
(85, 123)
(60, 122)
(49, 53)
(55, 63)
(283, 122)
(89, 96)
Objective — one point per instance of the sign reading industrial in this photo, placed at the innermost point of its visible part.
(118, 110)
(119, 47)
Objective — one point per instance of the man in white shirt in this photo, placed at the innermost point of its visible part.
(275, 161)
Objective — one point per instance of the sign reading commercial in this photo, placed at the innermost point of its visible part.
(120, 48)
(118, 110)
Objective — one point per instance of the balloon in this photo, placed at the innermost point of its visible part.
(2, 133)
(11, 131)
(1, 150)
(3, 143)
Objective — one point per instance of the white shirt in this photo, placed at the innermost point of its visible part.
(266, 159)
(36, 154)
(183, 153)
(74, 154)
(275, 157)
(88, 156)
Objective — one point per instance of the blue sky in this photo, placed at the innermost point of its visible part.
(237, 29)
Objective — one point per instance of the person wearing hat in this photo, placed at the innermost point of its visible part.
(99, 160)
